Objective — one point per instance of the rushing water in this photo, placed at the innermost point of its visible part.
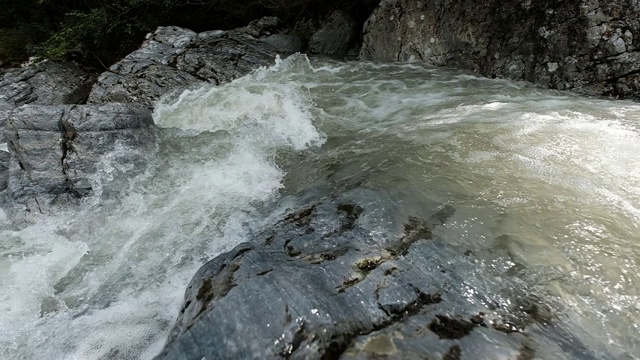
(546, 187)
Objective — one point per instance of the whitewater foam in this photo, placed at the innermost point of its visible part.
(545, 186)
(107, 281)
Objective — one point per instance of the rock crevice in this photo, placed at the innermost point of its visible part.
(56, 150)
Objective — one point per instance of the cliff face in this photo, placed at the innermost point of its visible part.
(588, 46)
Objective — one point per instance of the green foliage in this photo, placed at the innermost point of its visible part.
(102, 31)
(23, 26)
(77, 28)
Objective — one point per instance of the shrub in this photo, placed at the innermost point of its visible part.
(105, 31)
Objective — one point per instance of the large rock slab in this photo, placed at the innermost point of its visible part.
(55, 150)
(318, 286)
(583, 45)
(43, 83)
(173, 59)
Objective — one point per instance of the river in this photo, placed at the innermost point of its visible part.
(545, 184)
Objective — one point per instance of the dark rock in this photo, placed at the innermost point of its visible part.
(56, 150)
(336, 35)
(453, 353)
(173, 59)
(266, 26)
(305, 28)
(4, 170)
(284, 43)
(43, 83)
(451, 328)
(582, 45)
(318, 286)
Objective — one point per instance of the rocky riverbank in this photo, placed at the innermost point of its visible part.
(55, 148)
(316, 285)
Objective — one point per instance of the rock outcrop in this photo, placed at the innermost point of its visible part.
(55, 150)
(586, 46)
(173, 59)
(336, 35)
(44, 83)
(318, 286)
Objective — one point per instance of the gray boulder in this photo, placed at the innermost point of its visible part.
(43, 83)
(582, 45)
(56, 150)
(173, 59)
(337, 34)
(318, 286)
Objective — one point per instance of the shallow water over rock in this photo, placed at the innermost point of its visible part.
(545, 187)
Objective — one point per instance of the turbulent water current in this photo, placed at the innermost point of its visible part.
(546, 187)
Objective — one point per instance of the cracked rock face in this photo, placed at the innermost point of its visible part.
(44, 83)
(56, 150)
(582, 45)
(173, 59)
(317, 286)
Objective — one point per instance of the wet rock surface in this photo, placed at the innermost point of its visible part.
(582, 45)
(44, 83)
(173, 59)
(318, 286)
(56, 151)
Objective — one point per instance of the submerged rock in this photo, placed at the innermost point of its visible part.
(56, 151)
(173, 59)
(318, 286)
(580, 45)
